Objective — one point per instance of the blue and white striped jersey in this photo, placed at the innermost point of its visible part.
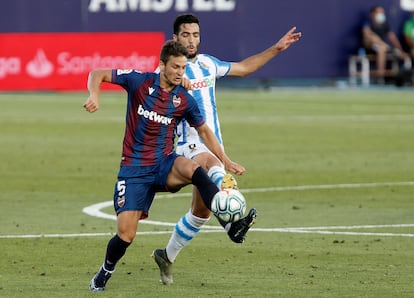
(203, 74)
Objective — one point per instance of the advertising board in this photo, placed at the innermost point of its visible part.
(62, 61)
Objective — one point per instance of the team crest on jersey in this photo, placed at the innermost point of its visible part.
(176, 101)
(204, 65)
(121, 202)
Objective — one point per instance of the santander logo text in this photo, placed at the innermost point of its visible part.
(76, 64)
(40, 66)
(154, 116)
(41, 63)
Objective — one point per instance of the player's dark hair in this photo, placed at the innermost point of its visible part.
(172, 48)
(184, 19)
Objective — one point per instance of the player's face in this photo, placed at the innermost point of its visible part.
(171, 73)
(189, 36)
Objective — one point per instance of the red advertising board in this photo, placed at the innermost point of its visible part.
(62, 61)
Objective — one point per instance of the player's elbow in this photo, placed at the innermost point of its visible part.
(241, 69)
(244, 74)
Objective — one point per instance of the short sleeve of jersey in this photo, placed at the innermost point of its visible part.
(129, 79)
(222, 67)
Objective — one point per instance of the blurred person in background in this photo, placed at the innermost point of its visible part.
(378, 38)
(408, 32)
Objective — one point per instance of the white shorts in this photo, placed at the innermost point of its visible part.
(192, 149)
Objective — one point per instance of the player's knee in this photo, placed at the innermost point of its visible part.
(212, 162)
(382, 49)
(127, 236)
(194, 167)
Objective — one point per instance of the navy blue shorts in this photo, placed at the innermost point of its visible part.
(136, 186)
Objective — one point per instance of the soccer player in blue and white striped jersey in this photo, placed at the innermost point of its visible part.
(202, 71)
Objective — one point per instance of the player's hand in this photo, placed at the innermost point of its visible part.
(92, 103)
(186, 83)
(288, 39)
(235, 168)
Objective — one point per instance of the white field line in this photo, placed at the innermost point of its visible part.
(328, 186)
(90, 234)
(217, 229)
(326, 232)
(95, 210)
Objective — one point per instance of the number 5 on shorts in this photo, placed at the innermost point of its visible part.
(121, 187)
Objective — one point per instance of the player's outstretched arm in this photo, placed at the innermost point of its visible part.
(253, 63)
(212, 144)
(95, 78)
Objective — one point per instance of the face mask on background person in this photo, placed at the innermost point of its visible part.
(380, 18)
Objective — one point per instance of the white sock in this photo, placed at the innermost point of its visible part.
(216, 175)
(185, 230)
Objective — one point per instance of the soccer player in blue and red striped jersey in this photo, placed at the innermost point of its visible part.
(156, 103)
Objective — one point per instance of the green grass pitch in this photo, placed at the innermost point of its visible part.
(331, 173)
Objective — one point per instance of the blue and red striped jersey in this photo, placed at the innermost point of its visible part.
(152, 116)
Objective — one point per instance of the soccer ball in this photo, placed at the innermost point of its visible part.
(229, 205)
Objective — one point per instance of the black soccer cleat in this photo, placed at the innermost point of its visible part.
(100, 279)
(238, 229)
